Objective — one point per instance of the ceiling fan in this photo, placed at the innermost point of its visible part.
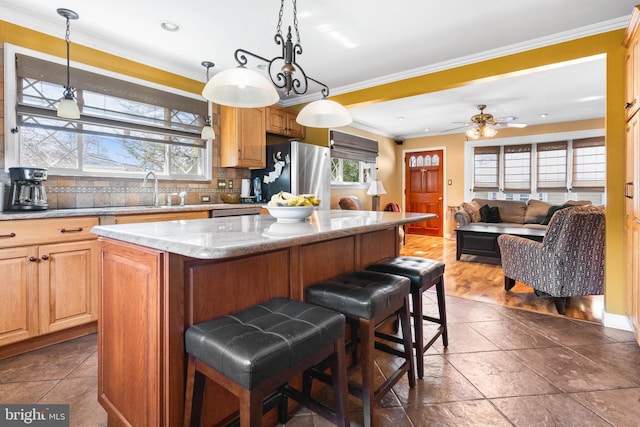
(483, 124)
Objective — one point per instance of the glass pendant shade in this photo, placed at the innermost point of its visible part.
(68, 109)
(324, 113)
(483, 132)
(240, 87)
(207, 132)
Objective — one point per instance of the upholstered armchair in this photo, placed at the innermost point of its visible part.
(568, 262)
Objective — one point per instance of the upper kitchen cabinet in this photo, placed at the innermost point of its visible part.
(283, 122)
(243, 139)
(632, 43)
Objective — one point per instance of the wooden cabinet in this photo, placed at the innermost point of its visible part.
(243, 137)
(49, 277)
(282, 122)
(632, 171)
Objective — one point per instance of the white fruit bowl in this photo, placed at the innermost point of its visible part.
(290, 213)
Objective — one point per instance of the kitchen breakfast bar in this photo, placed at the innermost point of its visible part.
(159, 278)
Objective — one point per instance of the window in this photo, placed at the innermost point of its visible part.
(552, 166)
(517, 168)
(588, 165)
(555, 171)
(125, 128)
(486, 162)
(353, 159)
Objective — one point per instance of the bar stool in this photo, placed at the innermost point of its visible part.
(369, 298)
(258, 350)
(423, 273)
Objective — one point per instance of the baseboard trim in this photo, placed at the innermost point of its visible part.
(616, 321)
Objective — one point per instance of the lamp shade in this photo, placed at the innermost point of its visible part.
(207, 132)
(324, 113)
(240, 87)
(68, 109)
(376, 188)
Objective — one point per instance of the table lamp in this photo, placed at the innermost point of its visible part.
(375, 189)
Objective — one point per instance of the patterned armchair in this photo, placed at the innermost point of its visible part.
(568, 262)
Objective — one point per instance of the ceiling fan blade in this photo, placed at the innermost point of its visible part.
(449, 130)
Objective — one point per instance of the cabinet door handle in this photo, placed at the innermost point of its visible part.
(628, 105)
(71, 230)
(33, 259)
(45, 257)
(7, 236)
(628, 194)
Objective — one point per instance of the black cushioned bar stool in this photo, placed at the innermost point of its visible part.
(258, 350)
(423, 273)
(369, 298)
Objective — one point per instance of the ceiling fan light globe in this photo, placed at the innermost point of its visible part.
(489, 132)
(240, 87)
(324, 113)
(473, 133)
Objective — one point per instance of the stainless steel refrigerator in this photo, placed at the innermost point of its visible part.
(298, 168)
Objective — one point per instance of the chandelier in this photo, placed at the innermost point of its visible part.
(241, 87)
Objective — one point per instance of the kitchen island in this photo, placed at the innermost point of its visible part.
(157, 279)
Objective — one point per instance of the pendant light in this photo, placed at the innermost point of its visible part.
(207, 129)
(68, 108)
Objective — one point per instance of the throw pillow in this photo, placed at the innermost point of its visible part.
(490, 214)
(553, 209)
(473, 210)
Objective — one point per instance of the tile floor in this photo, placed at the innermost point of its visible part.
(504, 366)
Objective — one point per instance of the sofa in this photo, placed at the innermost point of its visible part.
(509, 213)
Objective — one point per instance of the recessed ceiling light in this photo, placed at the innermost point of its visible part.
(169, 26)
(427, 129)
(543, 115)
(400, 117)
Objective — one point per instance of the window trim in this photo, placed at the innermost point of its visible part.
(12, 153)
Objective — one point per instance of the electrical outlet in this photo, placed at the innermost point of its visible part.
(222, 183)
(230, 184)
(205, 199)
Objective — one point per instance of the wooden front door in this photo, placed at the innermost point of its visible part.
(424, 190)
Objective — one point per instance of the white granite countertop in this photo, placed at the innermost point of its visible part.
(247, 234)
(121, 210)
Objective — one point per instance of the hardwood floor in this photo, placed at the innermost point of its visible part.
(480, 279)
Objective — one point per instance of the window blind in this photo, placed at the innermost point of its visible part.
(589, 161)
(486, 163)
(517, 168)
(353, 147)
(552, 166)
(109, 107)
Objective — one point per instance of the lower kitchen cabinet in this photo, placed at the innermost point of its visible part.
(49, 277)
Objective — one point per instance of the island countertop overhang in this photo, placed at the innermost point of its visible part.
(218, 238)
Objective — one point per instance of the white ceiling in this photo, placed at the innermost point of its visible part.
(354, 44)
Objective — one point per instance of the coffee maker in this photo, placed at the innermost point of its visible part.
(27, 189)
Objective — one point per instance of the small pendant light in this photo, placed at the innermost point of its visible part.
(68, 108)
(207, 130)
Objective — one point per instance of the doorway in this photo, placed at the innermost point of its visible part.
(424, 191)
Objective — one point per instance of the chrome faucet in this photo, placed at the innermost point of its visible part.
(181, 195)
(156, 200)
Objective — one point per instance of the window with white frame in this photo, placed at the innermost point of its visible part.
(126, 128)
(353, 159)
(556, 171)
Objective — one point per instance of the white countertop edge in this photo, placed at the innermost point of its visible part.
(227, 237)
